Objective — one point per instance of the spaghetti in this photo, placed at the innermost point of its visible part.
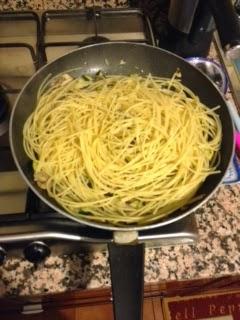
(121, 149)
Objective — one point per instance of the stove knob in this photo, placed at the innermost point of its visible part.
(36, 252)
(3, 255)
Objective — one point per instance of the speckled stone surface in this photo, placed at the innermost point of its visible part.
(58, 4)
(21, 4)
(216, 254)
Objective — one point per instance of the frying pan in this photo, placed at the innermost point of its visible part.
(126, 255)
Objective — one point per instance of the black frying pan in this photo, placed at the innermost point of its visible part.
(126, 256)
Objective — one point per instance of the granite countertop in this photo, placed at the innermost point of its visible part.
(216, 254)
(58, 4)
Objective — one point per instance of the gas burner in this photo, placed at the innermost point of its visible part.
(64, 31)
(95, 39)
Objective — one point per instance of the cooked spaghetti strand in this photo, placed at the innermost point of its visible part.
(121, 149)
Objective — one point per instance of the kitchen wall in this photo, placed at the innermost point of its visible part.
(58, 4)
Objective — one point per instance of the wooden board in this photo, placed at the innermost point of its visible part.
(96, 304)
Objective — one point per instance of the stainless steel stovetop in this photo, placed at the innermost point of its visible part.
(27, 41)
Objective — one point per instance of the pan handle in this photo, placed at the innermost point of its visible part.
(127, 275)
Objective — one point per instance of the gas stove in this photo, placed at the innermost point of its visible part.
(28, 40)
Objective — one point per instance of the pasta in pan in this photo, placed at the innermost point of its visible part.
(121, 149)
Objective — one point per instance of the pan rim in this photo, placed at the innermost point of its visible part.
(105, 226)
